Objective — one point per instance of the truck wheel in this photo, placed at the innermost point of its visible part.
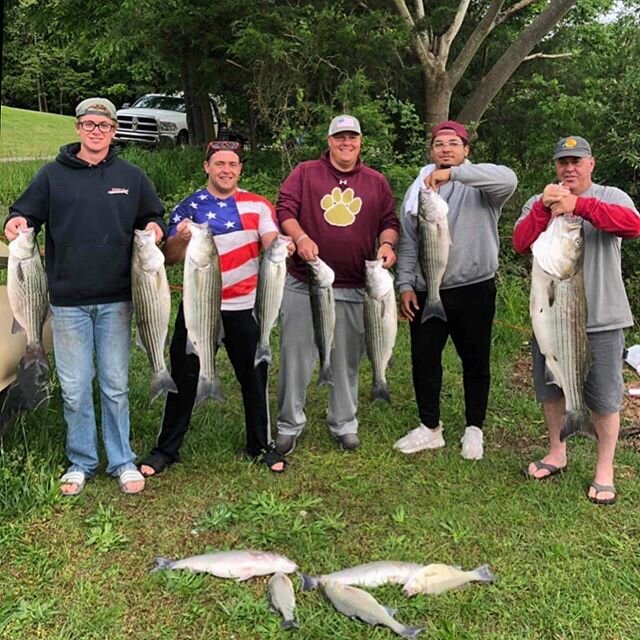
(182, 140)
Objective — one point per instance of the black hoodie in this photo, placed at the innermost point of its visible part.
(90, 213)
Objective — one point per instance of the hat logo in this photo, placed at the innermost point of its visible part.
(569, 143)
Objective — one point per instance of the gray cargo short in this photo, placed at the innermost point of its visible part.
(604, 387)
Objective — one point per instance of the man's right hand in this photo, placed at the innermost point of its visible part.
(554, 193)
(307, 249)
(409, 304)
(13, 227)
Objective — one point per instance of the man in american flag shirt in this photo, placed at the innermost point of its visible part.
(241, 223)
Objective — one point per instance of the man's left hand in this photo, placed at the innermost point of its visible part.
(565, 205)
(388, 255)
(437, 178)
(157, 229)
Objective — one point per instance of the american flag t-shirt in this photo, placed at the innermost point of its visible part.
(237, 224)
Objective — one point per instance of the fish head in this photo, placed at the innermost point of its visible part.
(201, 248)
(24, 245)
(278, 250)
(322, 275)
(377, 280)
(432, 207)
(567, 245)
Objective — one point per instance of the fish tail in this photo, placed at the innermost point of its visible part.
(289, 624)
(484, 574)
(162, 563)
(263, 354)
(162, 383)
(309, 583)
(380, 391)
(325, 376)
(35, 353)
(411, 632)
(433, 309)
(208, 388)
(577, 422)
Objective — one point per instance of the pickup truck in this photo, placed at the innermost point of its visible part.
(156, 119)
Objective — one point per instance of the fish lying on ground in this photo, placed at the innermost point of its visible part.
(273, 272)
(152, 304)
(202, 298)
(240, 565)
(323, 311)
(380, 324)
(434, 241)
(372, 574)
(438, 578)
(558, 307)
(282, 598)
(27, 290)
(356, 603)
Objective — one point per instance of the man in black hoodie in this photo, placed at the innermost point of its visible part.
(91, 202)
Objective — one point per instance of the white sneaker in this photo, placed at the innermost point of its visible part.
(420, 438)
(472, 443)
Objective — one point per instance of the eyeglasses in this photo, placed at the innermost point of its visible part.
(454, 144)
(89, 125)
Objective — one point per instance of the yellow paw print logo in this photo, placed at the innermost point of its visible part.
(340, 207)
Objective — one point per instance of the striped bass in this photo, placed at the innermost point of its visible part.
(27, 291)
(283, 598)
(202, 299)
(356, 603)
(371, 574)
(434, 241)
(239, 565)
(273, 271)
(558, 307)
(323, 312)
(380, 324)
(152, 304)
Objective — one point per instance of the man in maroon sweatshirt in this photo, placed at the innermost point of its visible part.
(340, 210)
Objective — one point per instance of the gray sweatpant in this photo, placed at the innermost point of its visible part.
(298, 356)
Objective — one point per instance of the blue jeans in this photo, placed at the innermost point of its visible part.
(77, 331)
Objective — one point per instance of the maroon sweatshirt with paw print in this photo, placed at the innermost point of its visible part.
(343, 212)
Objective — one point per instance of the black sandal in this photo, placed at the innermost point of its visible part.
(271, 458)
(157, 461)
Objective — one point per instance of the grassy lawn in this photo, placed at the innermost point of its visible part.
(30, 134)
(78, 569)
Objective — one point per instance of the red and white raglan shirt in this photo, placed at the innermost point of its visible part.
(237, 224)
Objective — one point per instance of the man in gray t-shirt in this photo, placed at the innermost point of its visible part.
(608, 216)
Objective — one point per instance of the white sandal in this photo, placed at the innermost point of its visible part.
(76, 478)
(130, 475)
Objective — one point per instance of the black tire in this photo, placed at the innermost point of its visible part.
(183, 139)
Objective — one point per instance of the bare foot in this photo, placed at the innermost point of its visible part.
(147, 471)
(539, 472)
(135, 486)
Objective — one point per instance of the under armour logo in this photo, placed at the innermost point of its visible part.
(342, 182)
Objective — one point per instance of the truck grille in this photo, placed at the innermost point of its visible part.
(138, 124)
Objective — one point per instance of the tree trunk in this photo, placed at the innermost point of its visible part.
(437, 98)
(512, 58)
(199, 114)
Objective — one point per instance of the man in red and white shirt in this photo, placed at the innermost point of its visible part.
(241, 223)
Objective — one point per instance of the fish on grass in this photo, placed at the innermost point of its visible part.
(28, 296)
(380, 324)
(273, 272)
(371, 574)
(202, 298)
(323, 313)
(558, 308)
(356, 603)
(283, 599)
(438, 578)
(152, 304)
(434, 241)
(239, 565)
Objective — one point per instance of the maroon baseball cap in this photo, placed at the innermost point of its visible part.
(451, 125)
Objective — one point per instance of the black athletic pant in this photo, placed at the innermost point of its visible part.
(240, 340)
(470, 310)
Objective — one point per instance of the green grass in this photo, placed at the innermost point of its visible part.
(30, 134)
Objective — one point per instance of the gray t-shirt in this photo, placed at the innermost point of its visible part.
(476, 194)
(607, 303)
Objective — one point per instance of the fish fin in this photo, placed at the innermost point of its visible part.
(35, 353)
(433, 309)
(162, 563)
(484, 574)
(325, 376)
(139, 342)
(391, 611)
(308, 583)
(551, 293)
(577, 423)
(16, 327)
(263, 354)
(208, 389)
(380, 391)
(191, 348)
(162, 383)
(289, 624)
(411, 632)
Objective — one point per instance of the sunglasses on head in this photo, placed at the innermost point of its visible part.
(222, 145)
